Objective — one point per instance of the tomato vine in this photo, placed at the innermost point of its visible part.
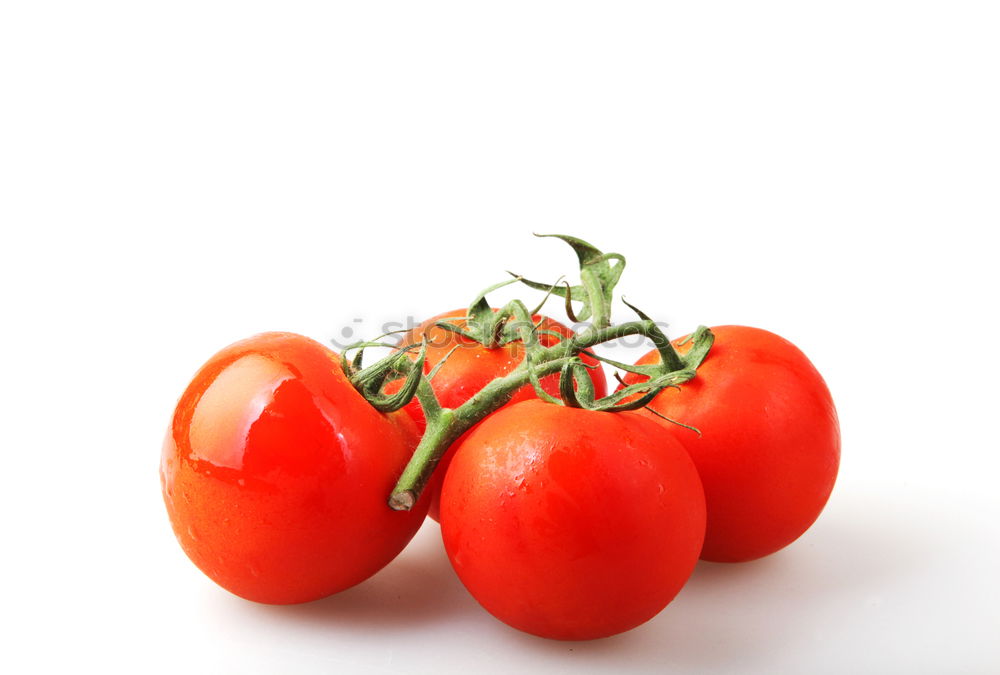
(599, 274)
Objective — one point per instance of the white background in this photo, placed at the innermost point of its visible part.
(176, 176)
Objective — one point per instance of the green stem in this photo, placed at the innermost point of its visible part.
(595, 335)
(439, 435)
(601, 311)
(428, 399)
(446, 425)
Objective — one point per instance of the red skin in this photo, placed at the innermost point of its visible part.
(571, 524)
(471, 367)
(770, 444)
(276, 472)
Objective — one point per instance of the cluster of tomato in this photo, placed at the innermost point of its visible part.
(562, 521)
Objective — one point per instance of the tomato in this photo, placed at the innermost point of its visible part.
(769, 448)
(275, 473)
(471, 367)
(569, 523)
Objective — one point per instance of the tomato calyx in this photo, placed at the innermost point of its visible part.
(493, 328)
(672, 370)
(370, 380)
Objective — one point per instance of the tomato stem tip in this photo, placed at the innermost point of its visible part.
(402, 501)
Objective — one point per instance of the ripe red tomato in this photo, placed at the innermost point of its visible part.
(770, 441)
(471, 367)
(275, 473)
(571, 524)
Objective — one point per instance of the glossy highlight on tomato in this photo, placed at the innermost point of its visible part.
(769, 448)
(275, 473)
(569, 523)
